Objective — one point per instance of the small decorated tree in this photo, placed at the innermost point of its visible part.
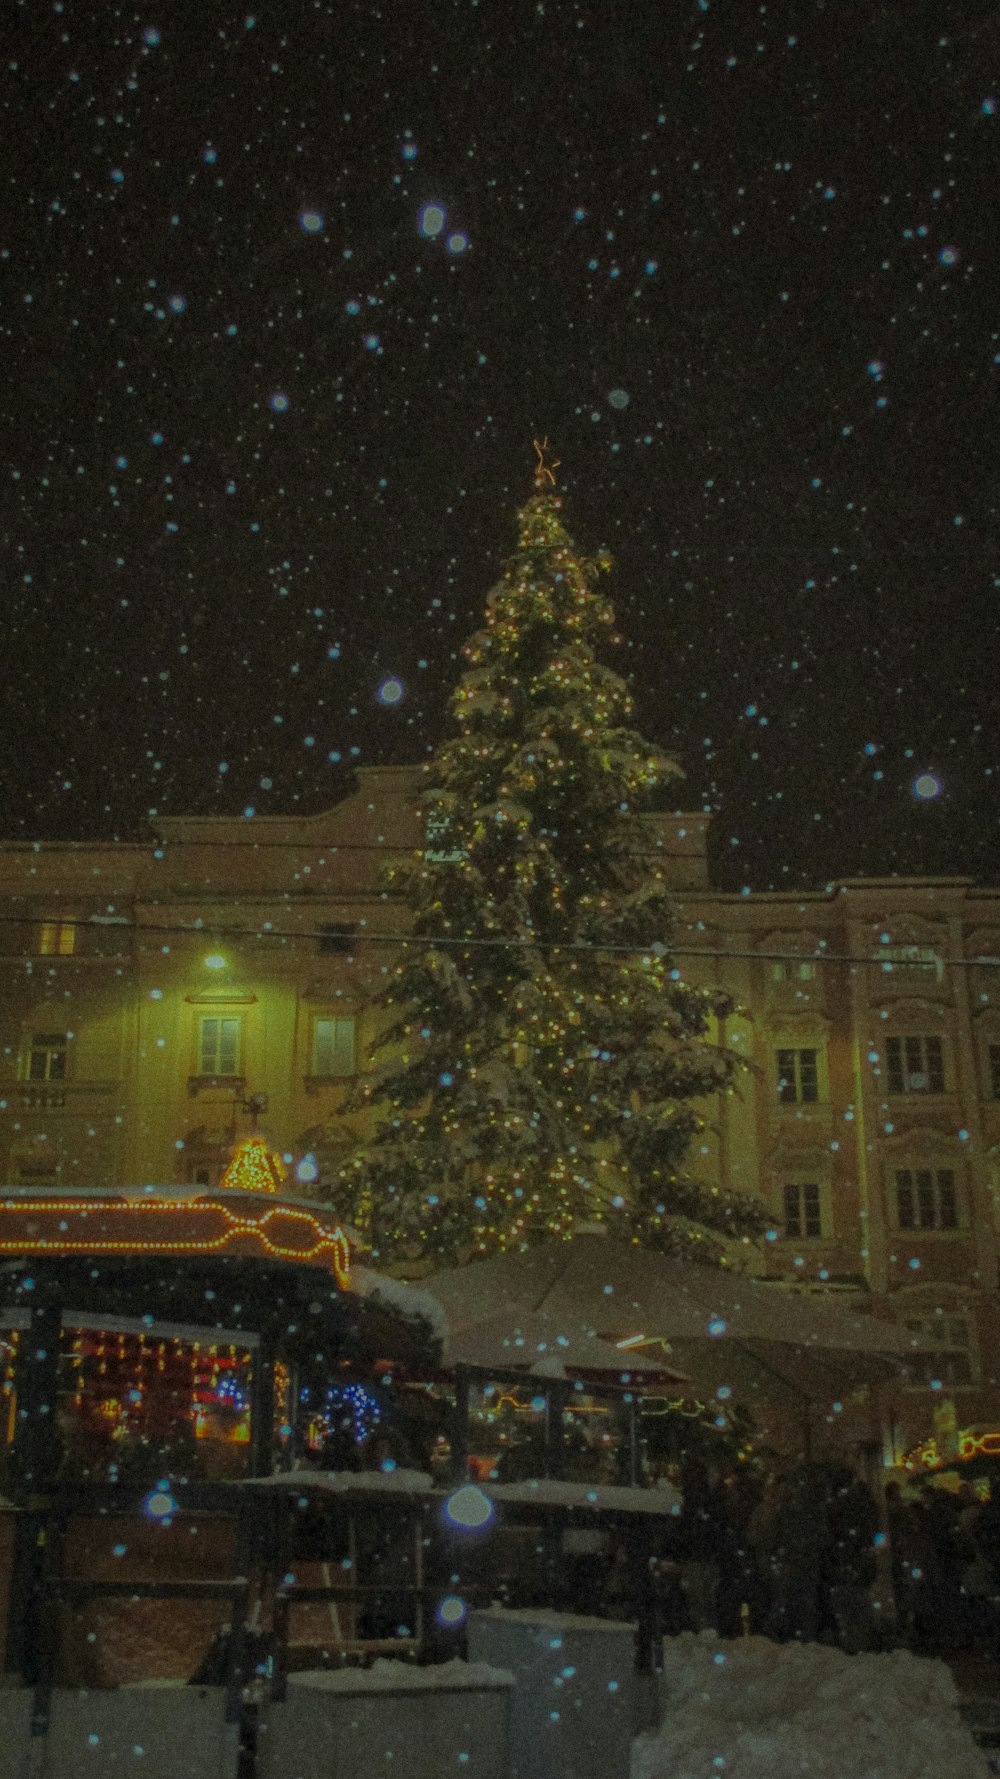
(542, 1059)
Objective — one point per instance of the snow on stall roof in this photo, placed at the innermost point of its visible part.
(343, 1482)
(386, 1676)
(406, 1300)
(543, 1619)
(547, 1491)
(752, 1709)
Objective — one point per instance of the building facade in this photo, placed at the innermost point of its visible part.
(156, 997)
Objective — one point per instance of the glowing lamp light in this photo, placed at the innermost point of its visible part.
(451, 1612)
(214, 961)
(468, 1508)
(926, 786)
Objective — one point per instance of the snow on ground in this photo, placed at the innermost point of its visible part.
(753, 1709)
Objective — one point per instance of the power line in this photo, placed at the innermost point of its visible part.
(162, 851)
(345, 940)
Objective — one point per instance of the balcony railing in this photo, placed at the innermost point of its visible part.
(69, 1096)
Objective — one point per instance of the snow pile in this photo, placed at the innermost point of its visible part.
(385, 1676)
(759, 1710)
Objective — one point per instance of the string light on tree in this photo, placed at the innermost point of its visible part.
(522, 1089)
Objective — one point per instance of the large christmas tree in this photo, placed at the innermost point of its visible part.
(541, 1057)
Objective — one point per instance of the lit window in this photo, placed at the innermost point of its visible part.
(925, 1198)
(47, 1057)
(219, 1046)
(945, 1355)
(803, 1210)
(802, 971)
(57, 938)
(798, 1077)
(915, 1064)
(333, 1046)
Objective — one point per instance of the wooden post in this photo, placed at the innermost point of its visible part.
(632, 1405)
(36, 1453)
(460, 1426)
(556, 1396)
(262, 1406)
(649, 1631)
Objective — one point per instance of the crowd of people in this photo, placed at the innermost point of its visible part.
(796, 1557)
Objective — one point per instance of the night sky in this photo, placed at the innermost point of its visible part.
(286, 294)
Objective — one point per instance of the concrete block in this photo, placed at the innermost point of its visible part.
(578, 1701)
(394, 1719)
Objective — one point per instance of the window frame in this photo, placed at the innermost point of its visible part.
(214, 1071)
(794, 1089)
(334, 1019)
(902, 1049)
(796, 1227)
(49, 1045)
(914, 963)
(793, 969)
(927, 1359)
(57, 937)
(927, 1187)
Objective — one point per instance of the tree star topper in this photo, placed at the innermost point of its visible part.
(545, 473)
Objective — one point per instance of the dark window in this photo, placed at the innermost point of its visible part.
(338, 937)
(915, 1064)
(945, 1354)
(798, 1076)
(995, 1071)
(803, 1215)
(910, 960)
(926, 1199)
(47, 1061)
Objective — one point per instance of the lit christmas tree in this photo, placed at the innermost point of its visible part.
(541, 1058)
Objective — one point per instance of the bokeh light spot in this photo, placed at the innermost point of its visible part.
(469, 1507)
(432, 220)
